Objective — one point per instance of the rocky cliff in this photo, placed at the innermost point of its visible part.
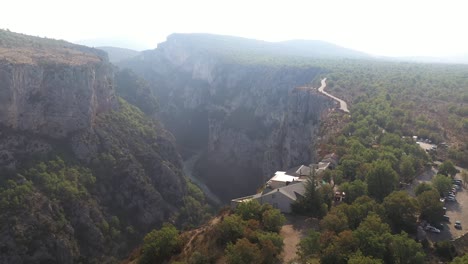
(245, 116)
(52, 89)
(83, 174)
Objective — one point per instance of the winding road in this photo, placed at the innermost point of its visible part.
(343, 104)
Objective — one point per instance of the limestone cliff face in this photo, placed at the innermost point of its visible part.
(83, 175)
(54, 98)
(247, 118)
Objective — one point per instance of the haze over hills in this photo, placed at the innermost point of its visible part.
(118, 54)
(294, 48)
(119, 42)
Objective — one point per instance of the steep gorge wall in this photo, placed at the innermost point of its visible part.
(54, 99)
(83, 175)
(247, 118)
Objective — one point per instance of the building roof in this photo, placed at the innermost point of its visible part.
(299, 171)
(303, 170)
(293, 191)
(323, 165)
(281, 176)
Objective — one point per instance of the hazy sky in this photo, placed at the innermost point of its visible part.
(394, 28)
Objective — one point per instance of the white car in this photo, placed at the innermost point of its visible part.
(432, 229)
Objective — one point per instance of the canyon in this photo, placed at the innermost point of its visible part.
(247, 119)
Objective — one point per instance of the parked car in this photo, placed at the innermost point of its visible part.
(432, 229)
(446, 218)
(445, 209)
(456, 187)
(442, 200)
(451, 199)
(457, 182)
(458, 225)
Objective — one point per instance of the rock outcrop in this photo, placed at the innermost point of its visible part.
(246, 117)
(52, 89)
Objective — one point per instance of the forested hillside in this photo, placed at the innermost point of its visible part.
(83, 173)
(426, 100)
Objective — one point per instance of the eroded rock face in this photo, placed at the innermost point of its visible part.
(57, 103)
(247, 118)
(54, 99)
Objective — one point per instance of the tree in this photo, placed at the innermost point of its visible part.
(445, 249)
(373, 236)
(405, 250)
(442, 183)
(401, 210)
(271, 246)
(327, 193)
(358, 258)
(340, 248)
(460, 260)
(447, 168)
(243, 252)
(464, 176)
(359, 210)
(249, 210)
(272, 220)
(309, 245)
(422, 187)
(407, 171)
(230, 229)
(353, 190)
(430, 206)
(381, 180)
(335, 221)
(160, 244)
(312, 203)
(349, 166)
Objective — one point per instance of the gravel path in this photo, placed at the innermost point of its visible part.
(293, 231)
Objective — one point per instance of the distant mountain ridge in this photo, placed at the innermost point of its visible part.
(229, 45)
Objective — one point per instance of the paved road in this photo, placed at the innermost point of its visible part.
(343, 104)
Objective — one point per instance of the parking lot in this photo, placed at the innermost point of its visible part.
(455, 210)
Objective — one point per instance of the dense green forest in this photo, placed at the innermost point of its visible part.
(377, 222)
(390, 102)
